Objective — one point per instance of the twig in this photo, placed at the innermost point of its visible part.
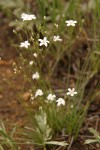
(97, 122)
(71, 143)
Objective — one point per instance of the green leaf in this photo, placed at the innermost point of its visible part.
(96, 134)
(90, 141)
(1, 148)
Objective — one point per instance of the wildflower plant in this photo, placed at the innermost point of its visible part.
(63, 112)
(61, 108)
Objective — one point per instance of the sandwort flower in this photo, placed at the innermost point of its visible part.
(35, 55)
(27, 17)
(71, 106)
(38, 93)
(57, 38)
(71, 22)
(40, 108)
(51, 97)
(43, 41)
(45, 17)
(60, 101)
(31, 62)
(32, 98)
(25, 44)
(35, 76)
(56, 25)
(71, 92)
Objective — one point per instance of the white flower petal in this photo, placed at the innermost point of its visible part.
(45, 38)
(73, 89)
(41, 44)
(40, 40)
(46, 44)
(68, 93)
(75, 92)
(69, 89)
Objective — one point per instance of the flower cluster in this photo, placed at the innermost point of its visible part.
(26, 17)
(44, 42)
(52, 97)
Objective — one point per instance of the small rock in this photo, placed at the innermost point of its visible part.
(1, 96)
(26, 96)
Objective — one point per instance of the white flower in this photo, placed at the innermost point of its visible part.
(35, 55)
(60, 101)
(71, 22)
(57, 38)
(56, 25)
(31, 62)
(71, 106)
(40, 108)
(51, 97)
(43, 41)
(32, 98)
(38, 93)
(35, 76)
(25, 44)
(27, 17)
(45, 17)
(71, 92)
